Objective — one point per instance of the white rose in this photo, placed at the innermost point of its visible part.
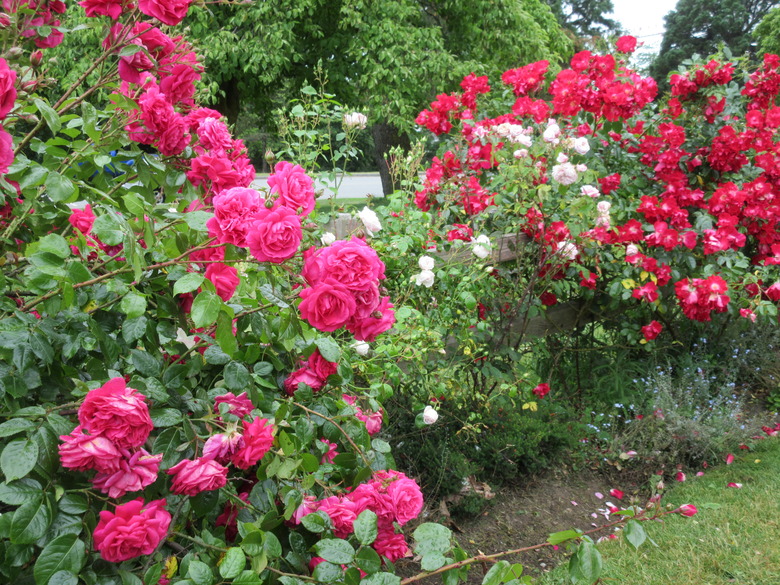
(565, 173)
(631, 250)
(581, 168)
(604, 207)
(430, 415)
(480, 246)
(581, 145)
(361, 348)
(567, 249)
(425, 263)
(355, 120)
(327, 239)
(520, 153)
(562, 158)
(552, 132)
(590, 191)
(370, 220)
(425, 278)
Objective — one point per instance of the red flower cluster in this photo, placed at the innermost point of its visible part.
(700, 296)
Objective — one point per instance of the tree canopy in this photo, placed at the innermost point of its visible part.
(700, 26)
(584, 18)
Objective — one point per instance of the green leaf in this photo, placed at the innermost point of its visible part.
(129, 50)
(63, 578)
(49, 114)
(365, 527)
(232, 563)
(431, 538)
(144, 363)
(165, 417)
(381, 579)
(316, 522)
(64, 553)
(54, 244)
(368, 560)
(205, 308)
(196, 220)
(224, 335)
(134, 329)
(329, 349)
(18, 459)
(558, 537)
(30, 521)
(166, 443)
(326, 572)
(59, 187)
(133, 305)
(335, 550)
(15, 425)
(253, 543)
(236, 376)
(215, 356)
(200, 573)
(188, 283)
(635, 534)
(272, 546)
(496, 573)
(73, 504)
(33, 175)
(107, 228)
(585, 564)
(381, 446)
(19, 492)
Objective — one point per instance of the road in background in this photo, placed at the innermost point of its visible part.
(352, 186)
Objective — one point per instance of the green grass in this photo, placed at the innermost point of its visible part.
(732, 539)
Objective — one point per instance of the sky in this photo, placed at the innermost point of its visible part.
(644, 19)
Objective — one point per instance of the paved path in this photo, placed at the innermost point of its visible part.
(353, 185)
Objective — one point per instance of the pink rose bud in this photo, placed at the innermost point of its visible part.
(680, 476)
(687, 510)
(616, 493)
(729, 459)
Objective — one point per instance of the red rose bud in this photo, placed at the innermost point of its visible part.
(687, 510)
(35, 58)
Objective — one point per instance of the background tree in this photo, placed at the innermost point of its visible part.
(767, 33)
(699, 26)
(585, 18)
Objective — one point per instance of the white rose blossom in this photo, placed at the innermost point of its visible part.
(361, 348)
(567, 249)
(327, 238)
(590, 191)
(520, 153)
(425, 263)
(430, 415)
(480, 246)
(370, 220)
(355, 120)
(631, 250)
(565, 173)
(562, 158)
(552, 133)
(425, 278)
(581, 145)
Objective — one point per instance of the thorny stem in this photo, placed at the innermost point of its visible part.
(338, 426)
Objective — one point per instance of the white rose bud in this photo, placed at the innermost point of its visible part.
(481, 247)
(327, 239)
(370, 220)
(425, 263)
(430, 415)
(355, 120)
(361, 348)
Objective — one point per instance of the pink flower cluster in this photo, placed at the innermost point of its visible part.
(344, 291)
(313, 373)
(38, 20)
(392, 496)
(114, 422)
(373, 420)
(700, 296)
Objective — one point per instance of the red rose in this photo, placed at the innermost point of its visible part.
(626, 44)
(131, 530)
(652, 330)
(327, 306)
(225, 279)
(170, 12)
(7, 89)
(258, 439)
(118, 413)
(541, 390)
(275, 235)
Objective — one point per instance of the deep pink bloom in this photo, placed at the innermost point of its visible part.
(303, 375)
(327, 306)
(687, 510)
(81, 452)
(390, 544)
(352, 263)
(275, 235)
(734, 485)
(7, 88)
(234, 211)
(240, 405)
(331, 453)
(309, 505)
(199, 475)
(295, 189)
(170, 12)
(626, 44)
(652, 330)
(82, 219)
(118, 413)
(616, 493)
(367, 496)
(6, 151)
(258, 439)
(134, 474)
(407, 499)
(381, 320)
(132, 530)
(342, 514)
(224, 278)
(541, 390)
(222, 446)
(680, 476)
(110, 8)
(729, 459)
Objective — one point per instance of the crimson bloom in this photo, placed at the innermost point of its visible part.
(131, 530)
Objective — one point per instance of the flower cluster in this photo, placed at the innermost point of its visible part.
(372, 420)
(392, 496)
(314, 373)
(344, 290)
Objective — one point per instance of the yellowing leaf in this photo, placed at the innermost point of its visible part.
(530, 406)
(629, 283)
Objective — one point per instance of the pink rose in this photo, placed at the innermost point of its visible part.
(327, 306)
(131, 530)
(213, 134)
(133, 475)
(331, 453)
(82, 452)
(407, 499)
(6, 151)
(342, 515)
(309, 505)
(275, 235)
(222, 446)
(234, 211)
(178, 75)
(541, 390)
(258, 439)
(118, 413)
(293, 186)
(366, 302)
(367, 496)
(368, 329)
(240, 405)
(303, 375)
(199, 475)
(390, 544)
(353, 263)
(7, 88)
(170, 12)
(373, 422)
(626, 44)
(110, 8)
(82, 219)
(224, 278)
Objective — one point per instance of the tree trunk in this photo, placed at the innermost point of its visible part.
(229, 104)
(386, 136)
